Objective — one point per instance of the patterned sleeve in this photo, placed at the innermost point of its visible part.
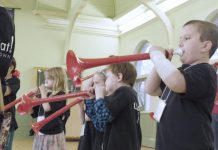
(90, 108)
(99, 113)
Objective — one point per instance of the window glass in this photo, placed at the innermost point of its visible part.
(143, 68)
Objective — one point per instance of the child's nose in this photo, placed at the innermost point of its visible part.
(180, 43)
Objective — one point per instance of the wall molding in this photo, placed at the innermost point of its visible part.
(85, 24)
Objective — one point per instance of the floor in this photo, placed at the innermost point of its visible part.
(25, 143)
(22, 141)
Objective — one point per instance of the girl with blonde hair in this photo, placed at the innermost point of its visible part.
(51, 136)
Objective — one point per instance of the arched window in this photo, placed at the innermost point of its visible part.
(143, 69)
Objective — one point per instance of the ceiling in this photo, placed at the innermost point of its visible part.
(112, 16)
(61, 8)
(96, 8)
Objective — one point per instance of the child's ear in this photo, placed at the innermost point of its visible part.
(207, 46)
(120, 76)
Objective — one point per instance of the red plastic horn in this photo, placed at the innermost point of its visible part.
(76, 65)
(38, 125)
(8, 106)
(25, 107)
(151, 114)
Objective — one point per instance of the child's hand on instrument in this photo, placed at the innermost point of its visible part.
(91, 93)
(100, 92)
(170, 54)
(43, 91)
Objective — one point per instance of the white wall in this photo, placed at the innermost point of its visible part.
(35, 46)
(93, 46)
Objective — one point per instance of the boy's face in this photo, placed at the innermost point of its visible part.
(191, 45)
(111, 82)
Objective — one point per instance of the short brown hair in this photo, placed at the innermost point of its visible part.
(208, 32)
(128, 71)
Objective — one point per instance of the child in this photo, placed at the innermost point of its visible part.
(91, 139)
(187, 93)
(7, 42)
(117, 114)
(51, 136)
(11, 89)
